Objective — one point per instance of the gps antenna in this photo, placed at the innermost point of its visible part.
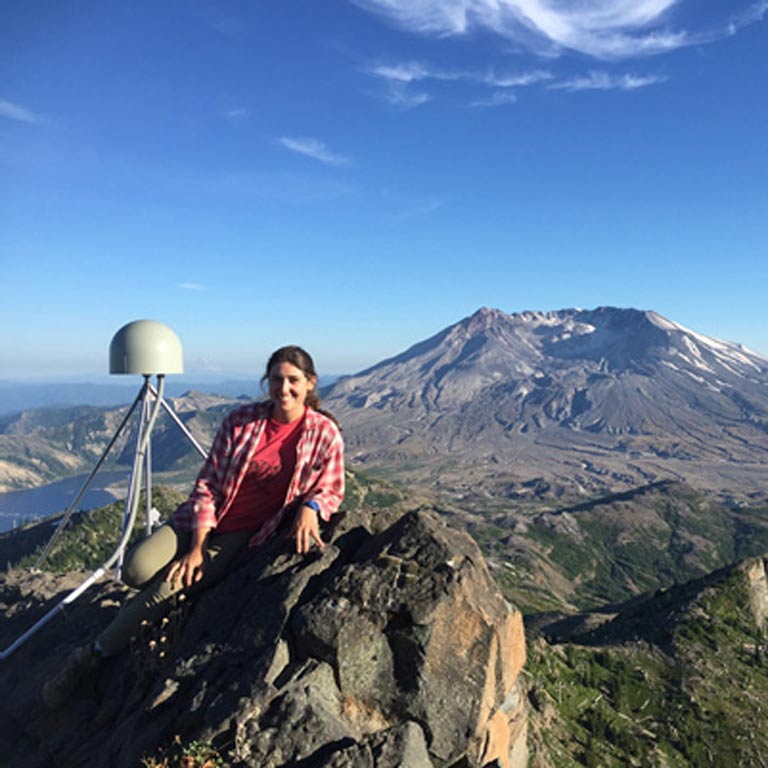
(143, 347)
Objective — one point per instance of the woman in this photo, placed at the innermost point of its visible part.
(282, 456)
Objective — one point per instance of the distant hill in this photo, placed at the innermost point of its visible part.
(568, 402)
(17, 396)
(613, 548)
(44, 445)
(675, 678)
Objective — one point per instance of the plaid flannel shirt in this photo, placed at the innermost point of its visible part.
(318, 475)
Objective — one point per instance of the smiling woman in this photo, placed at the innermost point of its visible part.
(289, 387)
(280, 457)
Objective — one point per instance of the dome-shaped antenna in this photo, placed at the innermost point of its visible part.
(151, 349)
(146, 347)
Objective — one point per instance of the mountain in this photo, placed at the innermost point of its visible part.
(611, 549)
(44, 445)
(524, 406)
(18, 396)
(677, 677)
(573, 401)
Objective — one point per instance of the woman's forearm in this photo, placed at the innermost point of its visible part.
(199, 539)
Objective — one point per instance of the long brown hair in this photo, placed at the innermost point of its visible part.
(304, 362)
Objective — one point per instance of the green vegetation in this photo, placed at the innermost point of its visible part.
(380, 499)
(681, 681)
(195, 754)
(526, 596)
(698, 702)
(89, 538)
(363, 489)
(610, 550)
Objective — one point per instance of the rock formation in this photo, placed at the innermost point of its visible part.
(393, 647)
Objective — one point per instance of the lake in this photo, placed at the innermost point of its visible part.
(19, 507)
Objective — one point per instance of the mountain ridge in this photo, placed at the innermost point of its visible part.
(676, 677)
(568, 403)
(632, 396)
(43, 445)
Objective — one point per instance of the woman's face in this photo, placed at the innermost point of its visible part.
(288, 388)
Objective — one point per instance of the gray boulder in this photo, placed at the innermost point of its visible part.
(392, 647)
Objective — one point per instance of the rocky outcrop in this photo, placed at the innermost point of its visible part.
(392, 647)
(757, 584)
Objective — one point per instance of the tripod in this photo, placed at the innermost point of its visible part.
(142, 460)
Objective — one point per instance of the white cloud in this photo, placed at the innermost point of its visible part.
(414, 71)
(608, 29)
(206, 364)
(605, 81)
(496, 99)
(313, 148)
(192, 286)
(400, 77)
(399, 96)
(17, 112)
(403, 73)
(754, 13)
(237, 115)
(518, 80)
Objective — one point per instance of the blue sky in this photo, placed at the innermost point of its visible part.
(355, 176)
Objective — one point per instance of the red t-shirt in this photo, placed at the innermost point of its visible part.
(265, 485)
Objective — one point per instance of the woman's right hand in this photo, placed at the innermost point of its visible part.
(187, 570)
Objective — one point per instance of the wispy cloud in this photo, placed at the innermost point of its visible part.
(399, 95)
(521, 79)
(405, 207)
(407, 72)
(400, 78)
(607, 29)
(313, 148)
(206, 365)
(192, 286)
(415, 71)
(496, 99)
(754, 13)
(604, 81)
(417, 211)
(237, 115)
(17, 112)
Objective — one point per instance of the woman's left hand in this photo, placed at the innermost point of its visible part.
(306, 529)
